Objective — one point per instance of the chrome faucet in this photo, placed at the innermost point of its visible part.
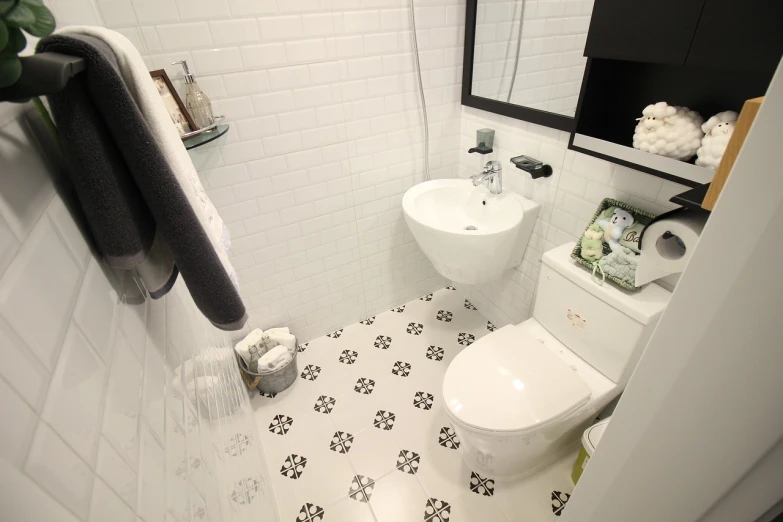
(492, 175)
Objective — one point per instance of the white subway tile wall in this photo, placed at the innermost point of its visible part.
(326, 136)
(568, 198)
(103, 418)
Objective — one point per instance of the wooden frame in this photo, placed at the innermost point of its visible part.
(179, 114)
(537, 116)
(746, 117)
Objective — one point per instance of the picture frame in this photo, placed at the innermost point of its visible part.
(179, 114)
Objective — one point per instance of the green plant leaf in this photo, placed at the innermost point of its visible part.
(10, 70)
(16, 42)
(3, 34)
(32, 3)
(6, 5)
(44, 21)
(19, 16)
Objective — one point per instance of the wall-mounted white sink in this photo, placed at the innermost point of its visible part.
(469, 234)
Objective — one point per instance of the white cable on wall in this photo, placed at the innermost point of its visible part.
(421, 92)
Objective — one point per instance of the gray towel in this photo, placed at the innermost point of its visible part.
(120, 222)
(125, 185)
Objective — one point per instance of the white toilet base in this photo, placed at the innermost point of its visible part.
(518, 455)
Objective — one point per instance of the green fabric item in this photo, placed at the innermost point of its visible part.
(604, 211)
(592, 245)
(621, 264)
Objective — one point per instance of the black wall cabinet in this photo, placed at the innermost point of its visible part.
(658, 32)
(709, 55)
(738, 35)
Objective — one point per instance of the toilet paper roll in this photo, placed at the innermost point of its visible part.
(668, 245)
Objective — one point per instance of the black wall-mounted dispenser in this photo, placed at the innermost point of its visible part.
(485, 138)
(537, 169)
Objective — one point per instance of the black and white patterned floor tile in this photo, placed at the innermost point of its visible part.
(448, 438)
(246, 489)
(363, 393)
(238, 444)
(435, 353)
(361, 488)
(341, 442)
(444, 315)
(466, 339)
(311, 372)
(293, 467)
(481, 485)
(280, 424)
(559, 500)
(415, 328)
(384, 420)
(437, 511)
(364, 386)
(348, 356)
(408, 462)
(324, 404)
(310, 513)
(383, 342)
(401, 369)
(423, 400)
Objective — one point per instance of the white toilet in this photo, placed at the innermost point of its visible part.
(520, 397)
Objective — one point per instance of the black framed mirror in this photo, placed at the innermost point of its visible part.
(525, 58)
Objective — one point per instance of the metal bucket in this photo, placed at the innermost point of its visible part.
(272, 382)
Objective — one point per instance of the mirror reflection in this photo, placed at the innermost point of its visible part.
(530, 52)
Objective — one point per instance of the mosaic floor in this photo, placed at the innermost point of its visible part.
(362, 434)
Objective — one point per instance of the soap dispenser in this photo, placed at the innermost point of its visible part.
(197, 103)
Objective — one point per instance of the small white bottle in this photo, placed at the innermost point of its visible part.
(197, 103)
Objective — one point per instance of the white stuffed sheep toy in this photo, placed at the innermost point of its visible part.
(670, 131)
(718, 130)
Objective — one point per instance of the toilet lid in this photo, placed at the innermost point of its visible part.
(509, 381)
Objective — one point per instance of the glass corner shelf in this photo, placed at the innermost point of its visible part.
(205, 137)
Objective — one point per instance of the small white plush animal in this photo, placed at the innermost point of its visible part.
(614, 226)
(718, 130)
(670, 131)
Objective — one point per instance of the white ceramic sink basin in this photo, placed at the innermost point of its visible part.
(469, 234)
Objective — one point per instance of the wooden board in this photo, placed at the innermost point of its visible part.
(746, 117)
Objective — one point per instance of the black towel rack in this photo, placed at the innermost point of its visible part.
(42, 74)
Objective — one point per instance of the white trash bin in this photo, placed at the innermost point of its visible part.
(590, 439)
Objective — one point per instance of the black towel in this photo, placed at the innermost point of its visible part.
(125, 185)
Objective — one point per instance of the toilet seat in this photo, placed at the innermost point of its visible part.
(509, 381)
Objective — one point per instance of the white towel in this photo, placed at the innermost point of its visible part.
(283, 337)
(243, 346)
(274, 359)
(137, 78)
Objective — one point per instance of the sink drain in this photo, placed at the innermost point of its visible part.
(470, 227)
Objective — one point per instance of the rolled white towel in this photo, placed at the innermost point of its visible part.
(243, 346)
(274, 359)
(282, 330)
(282, 336)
